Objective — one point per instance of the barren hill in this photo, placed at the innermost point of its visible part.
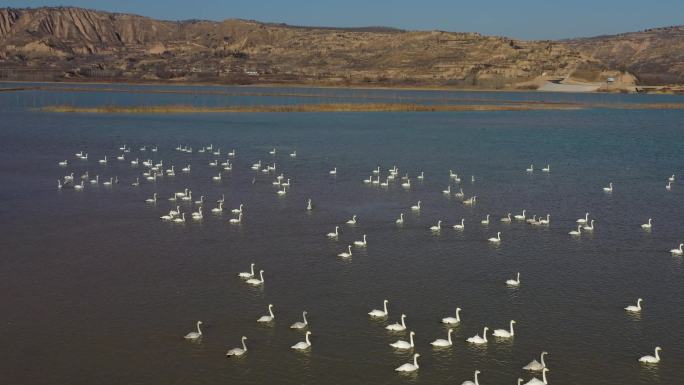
(79, 44)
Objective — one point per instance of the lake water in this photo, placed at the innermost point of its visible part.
(96, 289)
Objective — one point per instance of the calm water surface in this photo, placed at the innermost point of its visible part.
(97, 290)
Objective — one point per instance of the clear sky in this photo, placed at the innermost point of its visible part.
(524, 19)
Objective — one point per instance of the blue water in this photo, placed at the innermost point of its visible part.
(97, 289)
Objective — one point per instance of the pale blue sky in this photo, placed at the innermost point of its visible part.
(525, 19)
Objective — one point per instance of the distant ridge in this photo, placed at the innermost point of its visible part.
(77, 44)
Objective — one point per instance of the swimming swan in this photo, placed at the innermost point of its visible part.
(536, 381)
(436, 227)
(408, 367)
(335, 234)
(502, 333)
(257, 281)
(497, 239)
(380, 313)
(577, 232)
(635, 309)
(416, 207)
(520, 217)
(303, 345)
(453, 320)
(300, 324)
(476, 339)
(247, 275)
(238, 351)
(352, 221)
(346, 254)
(403, 345)
(442, 343)
(471, 382)
(267, 318)
(647, 226)
(461, 226)
(397, 327)
(514, 282)
(363, 243)
(535, 366)
(195, 335)
(678, 251)
(651, 359)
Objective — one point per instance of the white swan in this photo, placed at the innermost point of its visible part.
(647, 226)
(651, 359)
(514, 282)
(303, 345)
(198, 215)
(180, 220)
(352, 221)
(186, 168)
(96, 180)
(476, 339)
(238, 351)
(416, 207)
(248, 274)
(421, 176)
(461, 226)
(470, 201)
(442, 342)
(485, 221)
(403, 345)
(459, 194)
(678, 251)
(400, 221)
(447, 191)
(590, 227)
(103, 161)
(333, 171)
(237, 210)
(547, 168)
(369, 180)
(272, 152)
(380, 313)
(408, 367)
(398, 327)
(497, 239)
(335, 234)
(671, 179)
(635, 309)
(506, 219)
(609, 188)
(308, 205)
(437, 227)
(530, 169)
(406, 184)
(63, 163)
(577, 232)
(520, 217)
(267, 318)
(257, 281)
(453, 320)
(293, 154)
(532, 220)
(361, 243)
(346, 254)
(300, 324)
(152, 200)
(195, 335)
(471, 382)
(216, 177)
(536, 381)
(546, 221)
(668, 186)
(503, 333)
(219, 209)
(536, 366)
(236, 220)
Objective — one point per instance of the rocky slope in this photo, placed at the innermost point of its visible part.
(73, 43)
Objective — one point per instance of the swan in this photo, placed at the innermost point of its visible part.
(668, 186)
(377, 181)
(249, 274)
(237, 210)
(300, 325)
(223, 199)
(293, 154)
(590, 227)
(257, 281)
(369, 180)
(346, 254)
(361, 243)
(514, 282)
(152, 200)
(678, 251)
(352, 221)
(232, 153)
(577, 232)
(536, 381)
(546, 221)
(609, 188)
(103, 161)
(459, 194)
(397, 327)
(635, 309)
(403, 345)
(238, 351)
(195, 335)
(453, 320)
(535, 366)
(96, 180)
(216, 177)
(476, 339)
(400, 221)
(584, 220)
(267, 318)
(198, 215)
(502, 333)
(109, 182)
(471, 382)
(497, 239)
(506, 219)
(303, 345)
(186, 168)
(136, 183)
(437, 227)
(530, 169)
(63, 163)
(380, 313)
(175, 212)
(406, 184)
(647, 226)
(651, 359)
(376, 171)
(333, 171)
(213, 163)
(532, 220)
(120, 157)
(461, 226)
(447, 191)
(135, 162)
(187, 197)
(200, 201)
(236, 220)
(671, 179)
(408, 367)
(219, 209)
(421, 176)
(59, 184)
(520, 217)
(181, 219)
(272, 152)
(335, 234)
(308, 205)
(416, 207)
(442, 342)
(547, 168)
(470, 201)
(485, 221)
(166, 217)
